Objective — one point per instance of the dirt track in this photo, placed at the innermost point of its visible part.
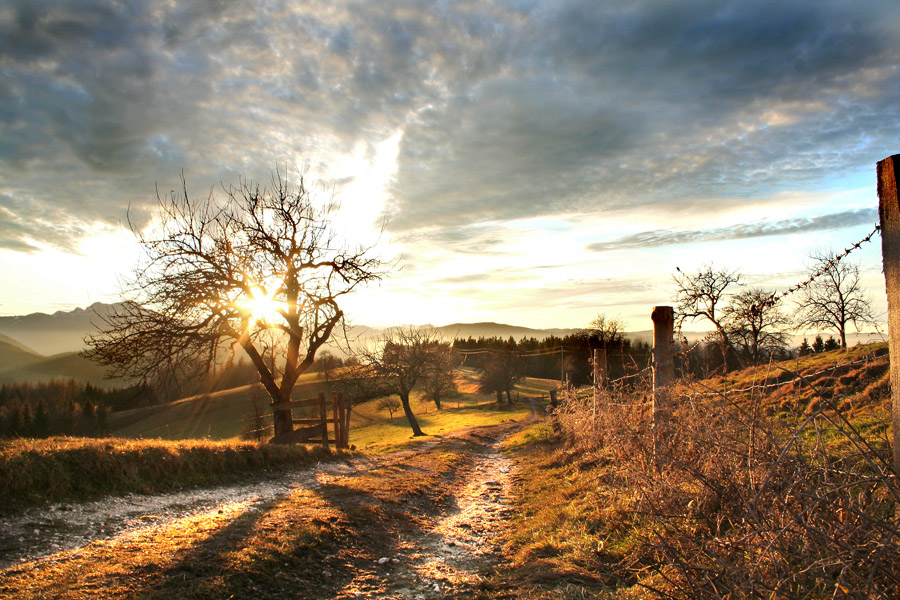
(388, 536)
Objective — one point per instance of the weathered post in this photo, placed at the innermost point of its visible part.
(663, 368)
(889, 214)
(336, 415)
(323, 417)
(347, 404)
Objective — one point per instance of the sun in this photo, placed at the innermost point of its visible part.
(263, 308)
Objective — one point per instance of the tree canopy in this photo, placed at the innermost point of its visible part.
(261, 269)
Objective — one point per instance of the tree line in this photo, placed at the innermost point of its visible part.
(62, 407)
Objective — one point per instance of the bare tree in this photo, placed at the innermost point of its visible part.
(390, 404)
(439, 381)
(703, 296)
(327, 363)
(401, 360)
(605, 330)
(835, 299)
(755, 325)
(261, 269)
(501, 373)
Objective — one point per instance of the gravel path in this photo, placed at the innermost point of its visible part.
(445, 553)
(450, 558)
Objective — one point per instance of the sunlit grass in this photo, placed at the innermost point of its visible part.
(373, 430)
(62, 468)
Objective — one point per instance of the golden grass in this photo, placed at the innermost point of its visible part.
(62, 468)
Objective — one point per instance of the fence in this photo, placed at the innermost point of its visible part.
(315, 430)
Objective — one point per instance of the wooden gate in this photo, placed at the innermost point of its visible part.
(315, 430)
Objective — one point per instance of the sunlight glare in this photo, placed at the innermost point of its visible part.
(262, 306)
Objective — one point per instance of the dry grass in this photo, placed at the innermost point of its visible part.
(739, 497)
(62, 468)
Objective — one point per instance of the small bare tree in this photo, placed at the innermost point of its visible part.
(390, 404)
(835, 299)
(703, 296)
(606, 331)
(439, 379)
(501, 373)
(401, 360)
(755, 325)
(261, 270)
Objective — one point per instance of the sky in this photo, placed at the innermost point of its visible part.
(524, 162)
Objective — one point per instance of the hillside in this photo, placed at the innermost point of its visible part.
(771, 479)
(774, 479)
(14, 355)
(63, 331)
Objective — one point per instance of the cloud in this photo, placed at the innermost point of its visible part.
(508, 110)
(653, 239)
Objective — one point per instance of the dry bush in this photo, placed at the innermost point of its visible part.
(732, 502)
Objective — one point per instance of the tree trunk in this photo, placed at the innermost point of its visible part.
(499, 396)
(407, 410)
(282, 419)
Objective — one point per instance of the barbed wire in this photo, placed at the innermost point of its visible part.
(775, 297)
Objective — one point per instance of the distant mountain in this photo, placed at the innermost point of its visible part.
(59, 332)
(487, 330)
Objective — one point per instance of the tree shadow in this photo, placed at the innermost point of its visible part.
(313, 543)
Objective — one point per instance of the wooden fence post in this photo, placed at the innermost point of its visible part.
(347, 407)
(889, 214)
(323, 415)
(336, 415)
(663, 367)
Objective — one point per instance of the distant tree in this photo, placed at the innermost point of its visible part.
(831, 344)
(256, 425)
(757, 328)
(360, 382)
(818, 345)
(261, 268)
(835, 299)
(326, 364)
(703, 296)
(605, 331)
(805, 349)
(439, 381)
(501, 373)
(390, 404)
(401, 360)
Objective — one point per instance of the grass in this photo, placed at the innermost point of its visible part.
(218, 415)
(66, 469)
(596, 518)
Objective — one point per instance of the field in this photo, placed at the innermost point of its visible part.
(222, 415)
(769, 482)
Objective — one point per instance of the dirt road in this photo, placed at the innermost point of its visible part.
(417, 524)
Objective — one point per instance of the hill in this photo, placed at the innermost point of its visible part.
(14, 355)
(500, 330)
(63, 331)
(19, 363)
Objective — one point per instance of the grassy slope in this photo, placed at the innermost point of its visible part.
(37, 471)
(587, 521)
(221, 415)
(56, 469)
